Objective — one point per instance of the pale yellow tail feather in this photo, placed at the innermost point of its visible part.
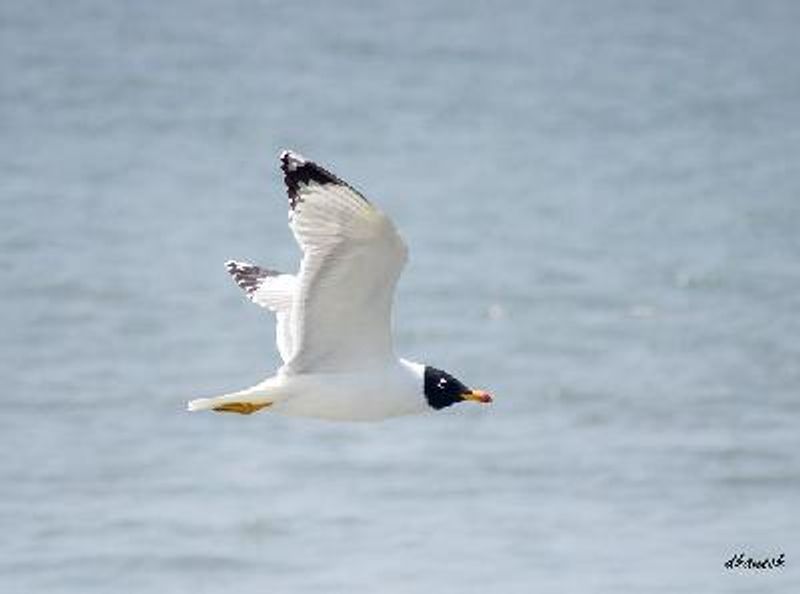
(243, 408)
(244, 402)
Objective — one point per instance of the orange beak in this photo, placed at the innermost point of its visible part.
(478, 396)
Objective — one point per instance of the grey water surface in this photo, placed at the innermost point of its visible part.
(602, 202)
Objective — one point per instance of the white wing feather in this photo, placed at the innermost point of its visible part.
(271, 290)
(352, 258)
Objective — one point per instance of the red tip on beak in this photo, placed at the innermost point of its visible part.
(478, 396)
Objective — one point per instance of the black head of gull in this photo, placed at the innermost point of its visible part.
(442, 390)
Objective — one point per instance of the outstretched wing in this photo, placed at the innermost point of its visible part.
(352, 258)
(274, 291)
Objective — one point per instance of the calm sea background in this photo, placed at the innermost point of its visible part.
(602, 201)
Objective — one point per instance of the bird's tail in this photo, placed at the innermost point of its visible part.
(244, 402)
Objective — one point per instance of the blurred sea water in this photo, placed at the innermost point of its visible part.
(602, 202)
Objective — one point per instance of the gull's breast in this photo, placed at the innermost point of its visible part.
(354, 396)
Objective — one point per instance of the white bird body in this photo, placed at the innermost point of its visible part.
(371, 395)
(333, 327)
(387, 391)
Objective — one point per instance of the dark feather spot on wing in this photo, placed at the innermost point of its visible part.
(248, 276)
(298, 170)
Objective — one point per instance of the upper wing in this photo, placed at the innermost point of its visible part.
(270, 289)
(352, 258)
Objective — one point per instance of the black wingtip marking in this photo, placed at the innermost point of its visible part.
(299, 170)
(248, 276)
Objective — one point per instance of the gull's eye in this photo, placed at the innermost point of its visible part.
(442, 383)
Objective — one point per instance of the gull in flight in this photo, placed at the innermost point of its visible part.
(334, 316)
